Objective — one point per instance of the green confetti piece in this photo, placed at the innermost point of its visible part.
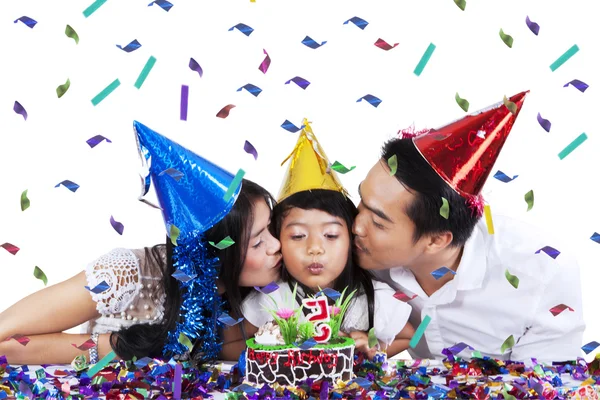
(372, 338)
(40, 373)
(420, 331)
(506, 395)
(105, 92)
(234, 184)
(93, 7)
(507, 39)
(529, 199)
(174, 234)
(424, 59)
(223, 244)
(508, 344)
(393, 164)
(101, 364)
(476, 354)
(512, 107)
(184, 340)
(25, 203)
(62, 89)
(39, 274)
(143, 392)
(445, 208)
(461, 4)
(338, 167)
(512, 279)
(572, 146)
(463, 103)
(144, 74)
(70, 32)
(562, 59)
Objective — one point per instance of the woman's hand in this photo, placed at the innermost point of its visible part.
(361, 340)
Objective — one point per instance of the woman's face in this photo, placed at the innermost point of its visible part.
(263, 258)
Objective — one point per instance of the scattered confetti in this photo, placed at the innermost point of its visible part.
(533, 27)
(372, 100)
(19, 109)
(25, 203)
(173, 173)
(424, 59)
(253, 90)
(245, 29)
(99, 288)
(227, 320)
(224, 112)
(403, 296)
(507, 39)
(194, 66)
(512, 107)
(564, 58)
(184, 340)
(264, 66)
(101, 364)
(445, 208)
(329, 292)
(250, 149)
(290, 127)
(30, 22)
(589, 347)
(420, 331)
(308, 344)
(596, 237)
(303, 83)
(237, 180)
(461, 4)
(581, 86)
(340, 168)
(544, 123)
(105, 92)
(223, 244)
(72, 186)
(144, 74)
(132, 46)
(393, 164)
(512, 279)
(93, 7)
(85, 346)
(62, 89)
(572, 146)
(501, 176)
(361, 23)
(11, 248)
(309, 42)
(529, 199)
(270, 288)
(117, 225)
(551, 251)
(39, 274)
(70, 32)
(93, 141)
(174, 234)
(164, 4)
(183, 106)
(177, 381)
(372, 338)
(22, 339)
(383, 45)
(182, 276)
(559, 309)
(441, 272)
(462, 103)
(508, 344)
(458, 347)
(488, 219)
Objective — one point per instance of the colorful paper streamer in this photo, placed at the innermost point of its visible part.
(512, 107)
(131, 46)
(595, 237)
(194, 66)
(372, 100)
(62, 89)
(19, 109)
(340, 168)
(529, 199)
(224, 112)
(501, 176)
(533, 27)
(564, 57)
(183, 104)
(245, 29)
(70, 32)
(25, 203)
(309, 42)
(105, 92)
(488, 219)
(461, 4)
(270, 288)
(39, 274)
(93, 7)
(549, 250)
(544, 123)
(173, 234)
(441, 272)
(508, 344)
(264, 66)
(30, 22)
(403, 296)
(145, 71)
(99, 288)
(359, 22)
(117, 226)
(572, 146)
(445, 208)
(393, 164)
(383, 45)
(237, 180)
(72, 186)
(424, 60)
(164, 4)
(559, 309)
(462, 103)
(579, 85)
(250, 149)
(512, 279)
(227, 320)
(301, 82)
(507, 39)
(329, 292)
(250, 88)
(223, 244)
(589, 347)
(94, 369)
(419, 332)
(95, 140)
(85, 346)
(11, 248)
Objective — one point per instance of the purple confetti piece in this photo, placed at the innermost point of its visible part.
(164, 4)
(173, 173)
(264, 66)
(194, 66)
(177, 381)
(25, 390)
(19, 109)
(116, 225)
(457, 348)
(501, 176)
(373, 100)
(551, 251)
(290, 127)
(72, 186)
(183, 107)
(544, 123)
(589, 347)
(182, 276)
(227, 320)
(535, 28)
(245, 29)
(252, 89)
(270, 288)
(324, 394)
(309, 42)
(132, 46)
(250, 149)
(99, 288)
(596, 237)
(361, 23)
(93, 141)
(303, 83)
(30, 22)
(581, 86)
(440, 272)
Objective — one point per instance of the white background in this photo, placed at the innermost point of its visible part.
(62, 231)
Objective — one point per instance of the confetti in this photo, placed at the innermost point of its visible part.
(264, 66)
(533, 27)
(572, 146)
(445, 208)
(308, 344)
(581, 86)
(132, 46)
(424, 59)
(551, 251)
(25, 203)
(253, 90)
(596, 237)
(512, 107)
(194, 66)
(182, 276)
(403, 296)
(173, 234)
(419, 332)
(223, 244)
(544, 123)
(183, 105)
(250, 149)
(340, 168)
(441, 272)
(19, 109)
(93, 7)
(512, 279)
(30, 22)
(372, 338)
(39, 274)
(303, 83)
(184, 340)
(383, 45)
(309, 42)
(488, 219)
(393, 164)
(372, 100)
(62, 89)
(507, 39)
(329, 292)
(457, 348)
(11, 248)
(224, 112)
(117, 225)
(589, 347)
(461, 4)
(173, 173)
(559, 309)
(501, 176)
(227, 320)
(237, 180)
(290, 127)
(164, 4)
(508, 344)
(361, 23)
(245, 29)
(564, 58)
(101, 364)
(177, 381)
(99, 288)
(22, 339)
(529, 199)
(85, 346)
(72, 186)
(70, 32)
(144, 74)
(270, 288)
(462, 103)
(93, 141)
(105, 92)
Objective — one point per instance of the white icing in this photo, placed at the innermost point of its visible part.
(269, 335)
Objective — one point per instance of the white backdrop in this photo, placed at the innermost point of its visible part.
(62, 231)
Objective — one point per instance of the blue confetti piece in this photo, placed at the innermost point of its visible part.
(99, 288)
(227, 320)
(245, 29)
(440, 272)
(581, 86)
(361, 23)
(309, 42)
(244, 387)
(290, 127)
(303, 83)
(72, 186)
(331, 293)
(373, 100)
(253, 90)
(551, 251)
(164, 4)
(307, 344)
(362, 382)
(142, 362)
(132, 46)
(241, 364)
(596, 237)
(30, 22)
(270, 288)
(501, 176)
(182, 276)
(591, 346)
(93, 141)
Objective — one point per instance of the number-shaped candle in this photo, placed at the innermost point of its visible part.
(319, 315)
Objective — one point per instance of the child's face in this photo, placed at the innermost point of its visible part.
(315, 246)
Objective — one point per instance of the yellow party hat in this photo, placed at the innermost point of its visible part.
(309, 167)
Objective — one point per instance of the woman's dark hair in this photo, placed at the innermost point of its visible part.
(416, 174)
(337, 204)
(147, 340)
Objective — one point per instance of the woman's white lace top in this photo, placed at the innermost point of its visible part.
(135, 294)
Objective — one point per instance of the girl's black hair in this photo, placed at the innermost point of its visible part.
(337, 204)
(148, 340)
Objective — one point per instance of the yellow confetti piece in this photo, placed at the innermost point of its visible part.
(174, 234)
(445, 208)
(463, 103)
(184, 340)
(508, 344)
(529, 199)
(39, 274)
(393, 164)
(512, 107)
(24, 201)
(62, 89)
(488, 219)
(512, 279)
(507, 39)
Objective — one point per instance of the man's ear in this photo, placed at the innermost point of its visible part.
(439, 241)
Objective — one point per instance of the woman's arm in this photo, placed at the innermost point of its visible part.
(234, 342)
(401, 341)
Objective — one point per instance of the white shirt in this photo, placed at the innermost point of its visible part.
(482, 309)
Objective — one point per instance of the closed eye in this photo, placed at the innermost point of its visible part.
(332, 237)
(297, 237)
(378, 226)
(257, 245)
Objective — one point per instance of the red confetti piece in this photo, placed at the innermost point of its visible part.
(23, 340)
(383, 45)
(11, 248)
(403, 296)
(250, 149)
(88, 344)
(560, 308)
(117, 225)
(264, 66)
(224, 113)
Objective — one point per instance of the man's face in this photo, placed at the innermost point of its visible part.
(384, 233)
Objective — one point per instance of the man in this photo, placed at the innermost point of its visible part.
(499, 294)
